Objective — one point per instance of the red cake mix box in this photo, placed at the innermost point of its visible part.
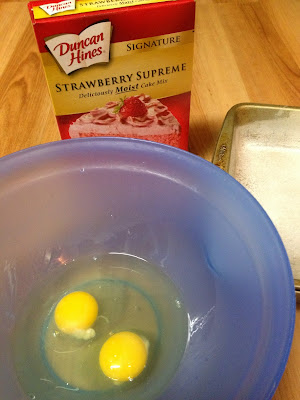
(118, 68)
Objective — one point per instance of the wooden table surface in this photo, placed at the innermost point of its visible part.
(245, 51)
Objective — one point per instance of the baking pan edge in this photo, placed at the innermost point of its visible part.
(221, 157)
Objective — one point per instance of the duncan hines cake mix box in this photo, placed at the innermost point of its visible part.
(118, 68)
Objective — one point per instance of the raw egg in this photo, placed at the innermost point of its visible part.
(123, 356)
(76, 313)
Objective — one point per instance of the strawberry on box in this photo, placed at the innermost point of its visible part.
(116, 69)
(132, 107)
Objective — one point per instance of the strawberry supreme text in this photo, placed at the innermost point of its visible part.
(117, 80)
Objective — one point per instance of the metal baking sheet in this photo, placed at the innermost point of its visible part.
(259, 145)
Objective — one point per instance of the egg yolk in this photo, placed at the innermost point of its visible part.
(123, 356)
(76, 313)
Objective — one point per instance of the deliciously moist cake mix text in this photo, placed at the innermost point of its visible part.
(118, 68)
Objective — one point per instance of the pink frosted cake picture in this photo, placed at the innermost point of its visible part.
(139, 117)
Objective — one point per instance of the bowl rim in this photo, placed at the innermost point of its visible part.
(16, 159)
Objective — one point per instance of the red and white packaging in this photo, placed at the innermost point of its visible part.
(118, 68)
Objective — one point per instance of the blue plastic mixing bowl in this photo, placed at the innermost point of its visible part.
(175, 210)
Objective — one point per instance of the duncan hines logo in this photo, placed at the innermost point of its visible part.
(54, 8)
(90, 47)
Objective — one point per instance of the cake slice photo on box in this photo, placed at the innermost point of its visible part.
(139, 117)
(118, 68)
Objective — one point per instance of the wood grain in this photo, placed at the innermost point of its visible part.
(245, 51)
(26, 116)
